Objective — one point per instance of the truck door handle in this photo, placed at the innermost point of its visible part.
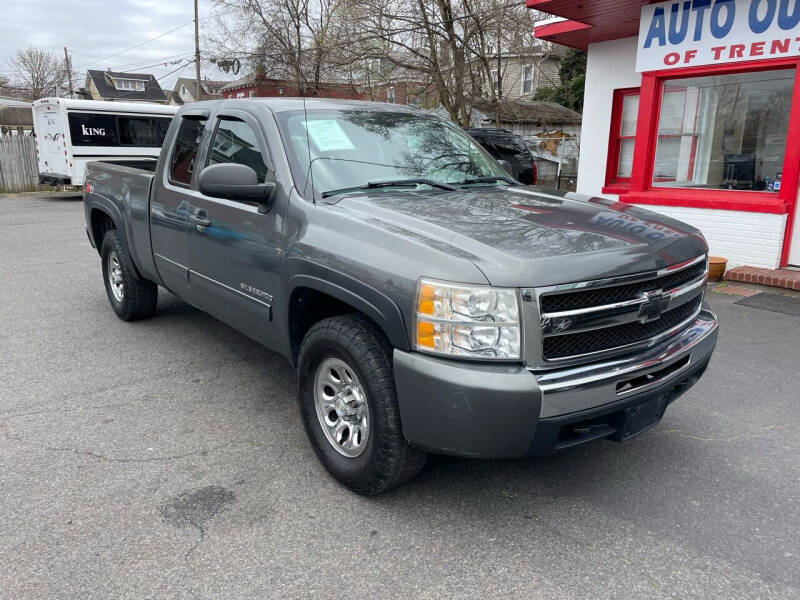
(200, 221)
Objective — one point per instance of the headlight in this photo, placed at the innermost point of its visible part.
(467, 321)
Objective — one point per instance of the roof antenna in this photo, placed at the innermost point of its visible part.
(308, 145)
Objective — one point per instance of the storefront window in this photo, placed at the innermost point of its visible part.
(724, 131)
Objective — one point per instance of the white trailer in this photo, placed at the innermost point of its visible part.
(70, 133)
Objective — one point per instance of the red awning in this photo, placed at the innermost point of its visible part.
(588, 21)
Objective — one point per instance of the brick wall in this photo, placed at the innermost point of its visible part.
(274, 88)
(744, 238)
(405, 92)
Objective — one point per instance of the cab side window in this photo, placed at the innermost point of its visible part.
(235, 142)
(184, 154)
(511, 150)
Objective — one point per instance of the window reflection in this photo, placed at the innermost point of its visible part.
(724, 131)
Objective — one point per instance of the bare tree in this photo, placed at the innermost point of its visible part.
(286, 39)
(37, 73)
(457, 45)
(450, 51)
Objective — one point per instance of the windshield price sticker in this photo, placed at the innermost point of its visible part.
(328, 135)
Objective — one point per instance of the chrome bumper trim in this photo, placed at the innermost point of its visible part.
(578, 388)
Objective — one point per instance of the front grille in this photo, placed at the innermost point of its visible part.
(596, 297)
(598, 340)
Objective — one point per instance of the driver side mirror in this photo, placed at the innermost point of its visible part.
(233, 181)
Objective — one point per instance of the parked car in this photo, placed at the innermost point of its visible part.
(429, 302)
(510, 147)
(70, 133)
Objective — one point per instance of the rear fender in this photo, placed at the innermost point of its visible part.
(95, 201)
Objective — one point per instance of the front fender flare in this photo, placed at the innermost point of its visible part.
(373, 303)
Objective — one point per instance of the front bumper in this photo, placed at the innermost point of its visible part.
(506, 411)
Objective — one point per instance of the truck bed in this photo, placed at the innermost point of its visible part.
(123, 189)
(141, 164)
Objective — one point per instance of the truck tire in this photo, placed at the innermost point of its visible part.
(348, 404)
(131, 298)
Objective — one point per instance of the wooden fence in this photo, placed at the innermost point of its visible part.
(19, 169)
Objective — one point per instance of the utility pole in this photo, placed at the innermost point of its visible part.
(499, 66)
(68, 67)
(197, 53)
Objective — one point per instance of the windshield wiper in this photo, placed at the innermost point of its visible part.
(393, 183)
(487, 179)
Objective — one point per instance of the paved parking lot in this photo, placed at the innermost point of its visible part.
(166, 459)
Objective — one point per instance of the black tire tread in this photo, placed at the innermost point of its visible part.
(140, 297)
(397, 460)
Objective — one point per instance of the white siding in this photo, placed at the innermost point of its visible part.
(794, 248)
(545, 74)
(610, 66)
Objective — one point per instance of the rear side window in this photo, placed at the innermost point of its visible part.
(142, 131)
(97, 129)
(235, 142)
(184, 154)
(511, 149)
(92, 129)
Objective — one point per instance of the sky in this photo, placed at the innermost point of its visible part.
(100, 34)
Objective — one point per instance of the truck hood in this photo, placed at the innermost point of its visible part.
(525, 236)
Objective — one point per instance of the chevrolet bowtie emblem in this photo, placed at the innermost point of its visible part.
(654, 304)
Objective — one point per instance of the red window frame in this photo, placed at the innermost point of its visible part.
(615, 138)
(641, 189)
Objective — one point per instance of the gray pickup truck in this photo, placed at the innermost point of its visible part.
(429, 302)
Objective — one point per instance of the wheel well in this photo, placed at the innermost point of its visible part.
(101, 224)
(308, 306)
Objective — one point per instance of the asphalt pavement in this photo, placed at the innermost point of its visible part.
(166, 459)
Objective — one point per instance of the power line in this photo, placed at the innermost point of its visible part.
(159, 36)
(174, 29)
(173, 59)
(163, 60)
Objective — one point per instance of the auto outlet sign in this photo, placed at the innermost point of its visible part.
(691, 33)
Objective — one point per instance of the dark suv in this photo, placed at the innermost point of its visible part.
(504, 145)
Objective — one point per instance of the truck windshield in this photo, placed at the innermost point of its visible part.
(348, 149)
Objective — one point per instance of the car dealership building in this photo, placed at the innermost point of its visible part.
(692, 109)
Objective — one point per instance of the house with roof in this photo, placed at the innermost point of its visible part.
(384, 80)
(16, 116)
(258, 85)
(532, 119)
(551, 131)
(124, 87)
(522, 74)
(185, 90)
(254, 86)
